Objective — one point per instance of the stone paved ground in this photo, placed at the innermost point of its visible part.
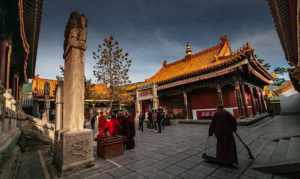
(176, 153)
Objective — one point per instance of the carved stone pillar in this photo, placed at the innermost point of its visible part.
(220, 95)
(74, 144)
(59, 104)
(186, 106)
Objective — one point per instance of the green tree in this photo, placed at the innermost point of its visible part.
(112, 66)
(263, 62)
(280, 71)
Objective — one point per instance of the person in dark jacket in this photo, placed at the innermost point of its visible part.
(223, 125)
(93, 121)
(141, 122)
(129, 130)
(160, 116)
(150, 118)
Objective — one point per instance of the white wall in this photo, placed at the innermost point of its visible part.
(290, 101)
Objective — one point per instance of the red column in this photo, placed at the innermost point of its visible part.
(254, 109)
(239, 99)
(264, 105)
(259, 100)
(186, 107)
(220, 95)
(4, 48)
(245, 105)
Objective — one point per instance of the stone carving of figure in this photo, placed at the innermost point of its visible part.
(75, 33)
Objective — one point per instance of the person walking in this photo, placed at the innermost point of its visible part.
(159, 119)
(141, 122)
(223, 125)
(154, 119)
(129, 130)
(150, 118)
(93, 121)
(163, 119)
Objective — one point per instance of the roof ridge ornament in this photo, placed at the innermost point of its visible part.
(188, 49)
(224, 39)
(164, 63)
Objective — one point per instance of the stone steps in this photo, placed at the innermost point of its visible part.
(29, 166)
(280, 156)
(280, 151)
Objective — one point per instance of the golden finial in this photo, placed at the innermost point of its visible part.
(188, 49)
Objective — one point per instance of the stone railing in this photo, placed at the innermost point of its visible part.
(43, 128)
(9, 133)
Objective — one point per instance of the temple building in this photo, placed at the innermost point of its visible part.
(193, 86)
(286, 16)
(19, 33)
(36, 98)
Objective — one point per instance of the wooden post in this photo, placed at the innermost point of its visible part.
(263, 102)
(245, 104)
(254, 109)
(186, 107)
(220, 95)
(239, 99)
(155, 97)
(259, 100)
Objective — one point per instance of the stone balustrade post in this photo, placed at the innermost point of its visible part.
(59, 104)
(14, 116)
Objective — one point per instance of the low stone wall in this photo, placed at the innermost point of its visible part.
(9, 133)
(241, 122)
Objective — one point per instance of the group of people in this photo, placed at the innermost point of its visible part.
(223, 126)
(155, 119)
(115, 123)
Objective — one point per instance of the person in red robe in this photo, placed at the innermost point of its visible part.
(223, 125)
(129, 130)
(113, 126)
(101, 126)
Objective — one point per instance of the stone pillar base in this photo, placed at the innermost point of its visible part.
(73, 150)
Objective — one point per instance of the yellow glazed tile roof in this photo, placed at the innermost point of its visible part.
(192, 63)
(38, 86)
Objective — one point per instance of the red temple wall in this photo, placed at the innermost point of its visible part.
(173, 104)
(204, 98)
(248, 101)
(229, 99)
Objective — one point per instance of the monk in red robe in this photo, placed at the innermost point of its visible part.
(101, 126)
(113, 126)
(223, 125)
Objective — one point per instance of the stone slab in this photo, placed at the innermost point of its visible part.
(74, 151)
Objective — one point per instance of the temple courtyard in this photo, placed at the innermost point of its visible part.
(177, 151)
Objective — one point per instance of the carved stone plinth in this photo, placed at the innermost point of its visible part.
(109, 147)
(73, 150)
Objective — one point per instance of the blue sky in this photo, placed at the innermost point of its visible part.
(155, 30)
